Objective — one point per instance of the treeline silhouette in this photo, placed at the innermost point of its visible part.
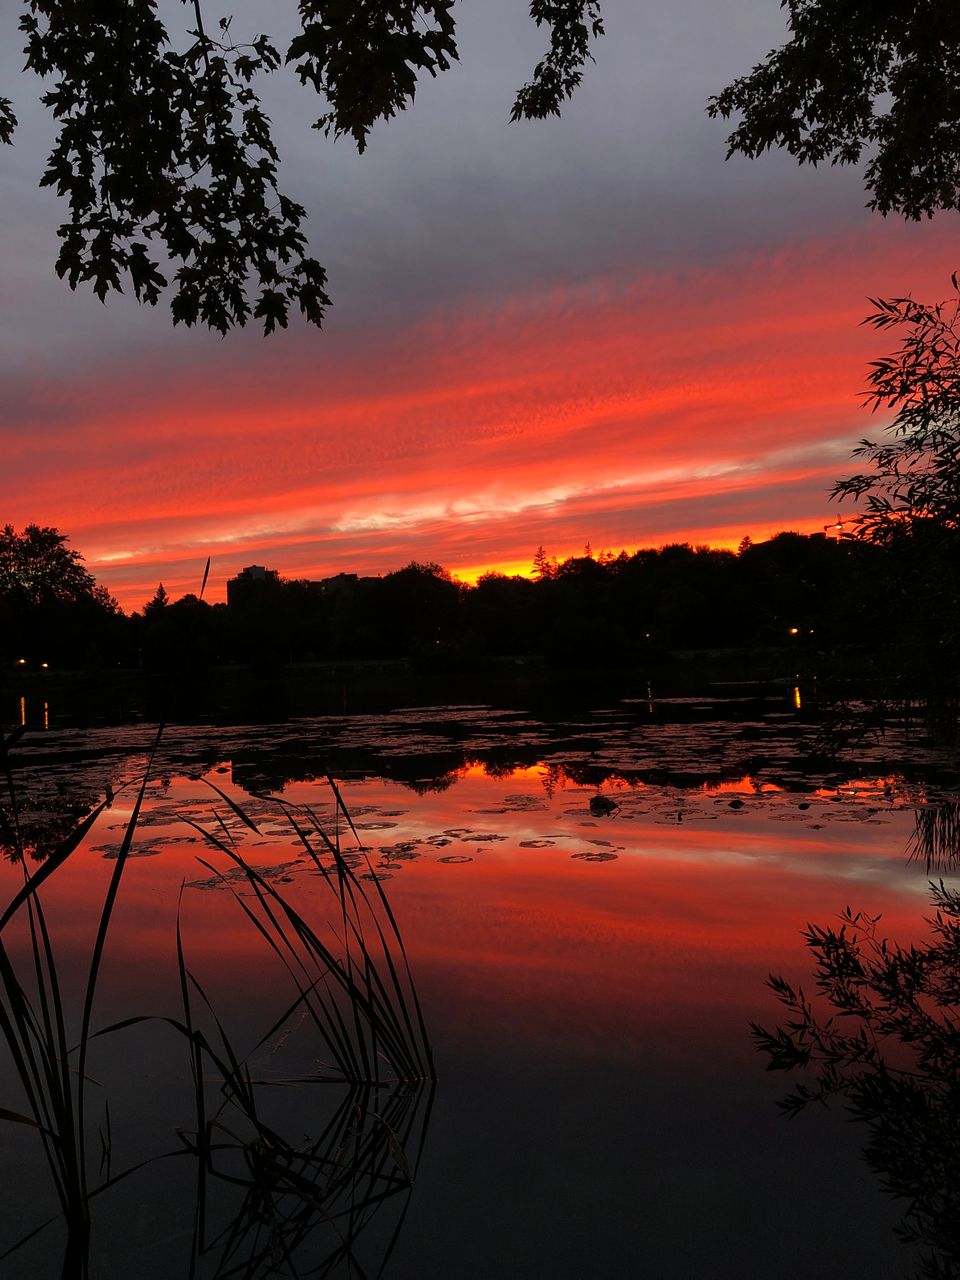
(811, 592)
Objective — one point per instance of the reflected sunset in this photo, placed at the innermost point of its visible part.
(518, 899)
(589, 903)
(479, 641)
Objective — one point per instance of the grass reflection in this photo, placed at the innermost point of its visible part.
(262, 1199)
(936, 839)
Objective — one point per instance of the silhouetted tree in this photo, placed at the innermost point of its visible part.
(37, 568)
(543, 566)
(592, 612)
(499, 616)
(420, 605)
(51, 609)
(881, 79)
(180, 636)
(157, 602)
(910, 497)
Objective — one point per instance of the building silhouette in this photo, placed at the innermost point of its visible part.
(250, 582)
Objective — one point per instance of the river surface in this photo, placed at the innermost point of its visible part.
(590, 905)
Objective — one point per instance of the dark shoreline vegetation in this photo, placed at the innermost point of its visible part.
(821, 656)
(795, 605)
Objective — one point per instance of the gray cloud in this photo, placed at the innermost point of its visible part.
(451, 200)
(446, 229)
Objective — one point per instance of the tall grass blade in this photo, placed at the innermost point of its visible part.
(50, 864)
(385, 903)
(232, 804)
(98, 946)
(354, 988)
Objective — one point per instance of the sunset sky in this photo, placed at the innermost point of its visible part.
(586, 329)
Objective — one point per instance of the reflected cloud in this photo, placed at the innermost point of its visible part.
(262, 1198)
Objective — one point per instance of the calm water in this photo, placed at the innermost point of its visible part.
(588, 979)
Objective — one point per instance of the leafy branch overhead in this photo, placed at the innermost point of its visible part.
(560, 71)
(166, 157)
(8, 121)
(879, 79)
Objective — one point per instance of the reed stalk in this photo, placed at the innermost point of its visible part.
(353, 980)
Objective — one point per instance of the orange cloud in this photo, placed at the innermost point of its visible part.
(698, 405)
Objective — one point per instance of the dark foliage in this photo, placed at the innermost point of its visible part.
(37, 568)
(51, 609)
(805, 594)
(915, 476)
(557, 75)
(881, 80)
(167, 159)
(910, 497)
(365, 57)
(881, 1036)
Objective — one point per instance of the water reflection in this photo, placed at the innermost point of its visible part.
(881, 1036)
(266, 1202)
(43, 820)
(935, 842)
(688, 742)
(587, 971)
(330, 1206)
(33, 712)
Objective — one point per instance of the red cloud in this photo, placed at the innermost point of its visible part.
(654, 407)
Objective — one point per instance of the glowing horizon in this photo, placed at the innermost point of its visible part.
(468, 575)
(645, 410)
(591, 329)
